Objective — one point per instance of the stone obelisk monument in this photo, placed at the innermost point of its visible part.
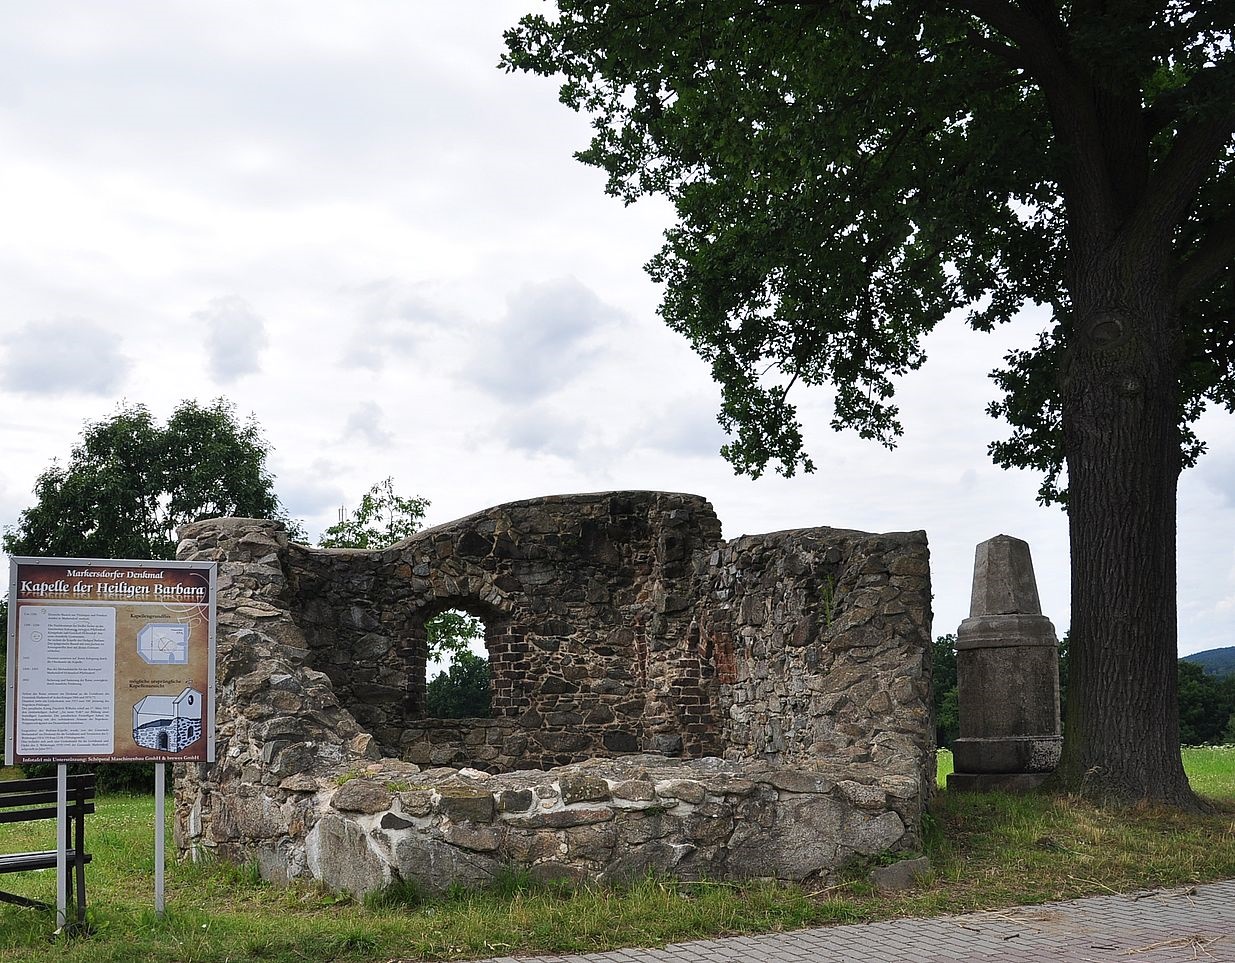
(1007, 668)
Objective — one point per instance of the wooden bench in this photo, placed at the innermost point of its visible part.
(30, 800)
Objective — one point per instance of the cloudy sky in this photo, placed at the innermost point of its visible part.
(345, 219)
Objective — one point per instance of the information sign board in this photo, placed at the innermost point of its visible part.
(110, 661)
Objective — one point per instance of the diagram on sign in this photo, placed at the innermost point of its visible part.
(168, 723)
(161, 643)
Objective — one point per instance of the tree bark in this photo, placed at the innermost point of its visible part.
(1121, 436)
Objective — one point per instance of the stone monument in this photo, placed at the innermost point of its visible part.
(1007, 667)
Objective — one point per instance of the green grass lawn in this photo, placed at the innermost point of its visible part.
(987, 851)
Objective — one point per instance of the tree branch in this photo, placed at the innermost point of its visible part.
(1178, 176)
(1215, 253)
(1027, 33)
(1001, 51)
(1207, 84)
(1041, 41)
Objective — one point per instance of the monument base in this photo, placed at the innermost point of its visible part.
(1002, 754)
(1014, 782)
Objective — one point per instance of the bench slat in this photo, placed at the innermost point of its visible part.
(42, 784)
(47, 812)
(41, 798)
(20, 862)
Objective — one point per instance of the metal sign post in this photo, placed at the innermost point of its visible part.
(159, 836)
(62, 843)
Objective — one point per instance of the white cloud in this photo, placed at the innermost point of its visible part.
(397, 322)
(235, 338)
(1217, 471)
(550, 334)
(541, 432)
(65, 356)
(365, 424)
(686, 427)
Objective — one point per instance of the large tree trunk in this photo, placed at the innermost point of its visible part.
(1121, 436)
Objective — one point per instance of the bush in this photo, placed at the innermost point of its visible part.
(110, 777)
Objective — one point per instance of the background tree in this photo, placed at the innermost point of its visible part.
(947, 702)
(1206, 704)
(381, 519)
(461, 692)
(846, 173)
(130, 482)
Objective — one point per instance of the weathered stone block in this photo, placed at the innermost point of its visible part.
(620, 742)
(594, 842)
(656, 856)
(416, 802)
(435, 864)
(299, 783)
(901, 875)
(687, 790)
(1003, 579)
(555, 872)
(480, 839)
(1009, 691)
(561, 818)
(340, 854)
(579, 787)
(460, 803)
(514, 800)
(633, 789)
(526, 847)
(361, 796)
(1012, 782)
(1007, 754)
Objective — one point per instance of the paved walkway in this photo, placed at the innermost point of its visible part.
(1167, 926)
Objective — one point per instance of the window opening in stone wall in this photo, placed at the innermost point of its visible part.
(458, 669)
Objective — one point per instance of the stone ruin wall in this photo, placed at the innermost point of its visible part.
(662, 699)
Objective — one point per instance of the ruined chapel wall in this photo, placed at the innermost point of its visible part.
(586, 600)
(772, 651)
(821, 638)
(278, 723)
(357, 632)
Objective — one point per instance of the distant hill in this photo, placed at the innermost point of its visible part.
(1215, 661)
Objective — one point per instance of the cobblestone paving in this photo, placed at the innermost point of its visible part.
(1164, 926)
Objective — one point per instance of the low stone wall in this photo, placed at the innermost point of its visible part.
(759, 707)
(609, 820)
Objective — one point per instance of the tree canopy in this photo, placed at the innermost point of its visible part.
(848, 172)
(125, 488)
(130, 482)
(845, 174)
